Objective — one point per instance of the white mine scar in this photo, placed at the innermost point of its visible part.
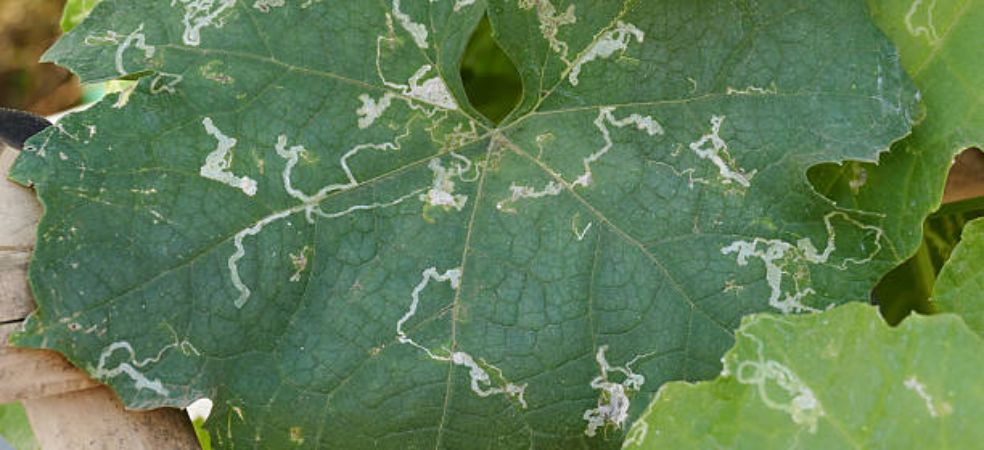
(459, 136)
(217, 163)
(416, 30)
(518, 193)
(459, 4)
(130, 367)
(550, 23)
(753, 90)
(802, 406)
(606, 46)
(309, 204)
(928, 29)
(613, 404)
(943, 409)
(441, 192)
(292, 156)
(481, 381)
(372, 109)
(199, 14)
(581, 233)
(433, 90)
(642, 123)
(636, 435)
(267, 5)
(233, 262)
(452, 276)
(782, 258)
(137, 40)
(718, 154)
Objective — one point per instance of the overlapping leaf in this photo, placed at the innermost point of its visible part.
(792, 383)
(297, 214)
(960, 286)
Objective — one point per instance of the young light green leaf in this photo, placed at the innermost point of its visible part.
(297, 214)
(75, 12)
(960, 286)
(15, 429)
(838, 379)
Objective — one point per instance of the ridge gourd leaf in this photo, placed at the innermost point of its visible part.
(296, 213)
(790, 382)
(958, 288)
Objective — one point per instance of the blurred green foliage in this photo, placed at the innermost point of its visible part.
(490, 78)
(27, 28)
(15, 428)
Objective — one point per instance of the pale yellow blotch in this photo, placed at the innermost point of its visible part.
(297, 435)
(858, 179)
(300, 263)
(211, 72)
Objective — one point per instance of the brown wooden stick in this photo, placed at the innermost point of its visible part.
(95, 419)
(28, 374)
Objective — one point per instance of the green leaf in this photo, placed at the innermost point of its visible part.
(909, 287)
(960, 286)
(839, 379)
(75, 12)
(297, 213)
(940, 46)
(15, 429)
(204, 438)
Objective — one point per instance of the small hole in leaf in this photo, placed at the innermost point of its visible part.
(491, 80)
